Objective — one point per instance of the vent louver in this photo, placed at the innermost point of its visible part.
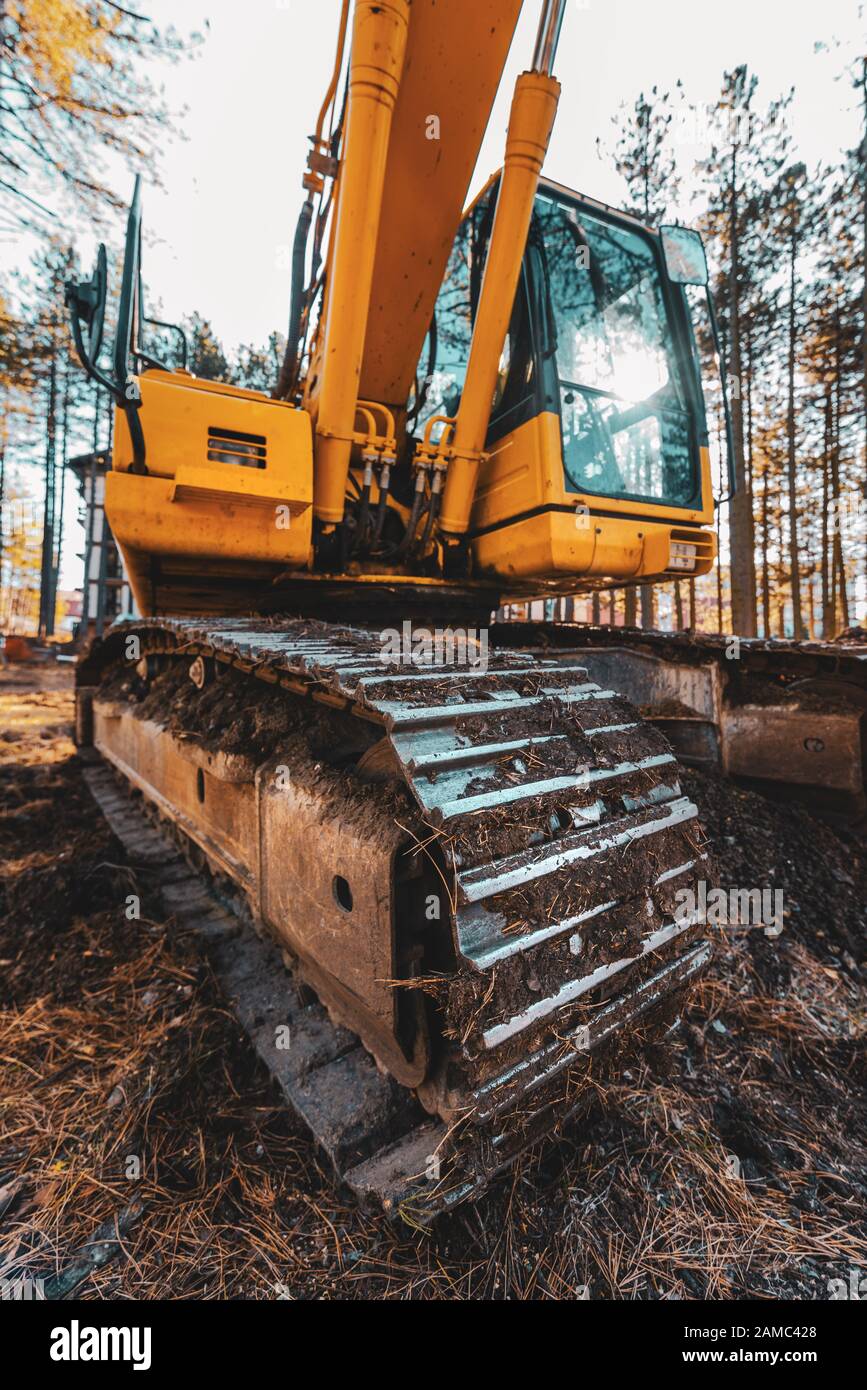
(233, 446)
(681, 562)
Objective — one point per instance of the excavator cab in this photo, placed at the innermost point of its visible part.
(597, 449)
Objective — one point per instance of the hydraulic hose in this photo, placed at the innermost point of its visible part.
(417, 503)
(382, 506)
(432, 515)
(289, 369)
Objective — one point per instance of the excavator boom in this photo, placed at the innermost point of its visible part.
(454, 61)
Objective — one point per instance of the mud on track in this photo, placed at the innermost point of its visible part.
(116, 1044)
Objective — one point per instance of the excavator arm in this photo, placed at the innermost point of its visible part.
(421, 83)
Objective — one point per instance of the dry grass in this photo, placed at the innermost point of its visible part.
(115, 1045)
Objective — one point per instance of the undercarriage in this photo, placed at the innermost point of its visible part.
(483, 872)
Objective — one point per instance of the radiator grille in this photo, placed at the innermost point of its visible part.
(233, 446)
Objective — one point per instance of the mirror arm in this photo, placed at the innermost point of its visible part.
(85, 301)
(119, 394)
(84, 356)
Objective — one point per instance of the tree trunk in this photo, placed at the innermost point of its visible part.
(864, 293)
(766, 578)
(719, 574)
(811, 606)
(839, 565)
(46, 596)
(742, 531)
(648, 606)
(3, 429)
(64, 452)
(678, 606)
(827, 603)
(748, 397)
(794, 554)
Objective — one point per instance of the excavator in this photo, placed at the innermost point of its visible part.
(472, 857)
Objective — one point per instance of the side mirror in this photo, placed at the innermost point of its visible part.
(685, 259)
(85, 300)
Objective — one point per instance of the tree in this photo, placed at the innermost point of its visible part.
(259, 368)
(20, 558)
(723, 170)
(746, 151)
(794, 227)
(206, 356)
(643, 156)
(856, 168)
(21, 360)
(74, 85)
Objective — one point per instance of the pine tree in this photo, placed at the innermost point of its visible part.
(75, 85)
(791, 196)
(743, 150)
(206, 356)
(258, 368)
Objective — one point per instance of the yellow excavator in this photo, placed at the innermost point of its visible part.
(474, 856)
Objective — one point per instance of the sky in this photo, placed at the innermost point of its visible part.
(224, 223)
(219, 231)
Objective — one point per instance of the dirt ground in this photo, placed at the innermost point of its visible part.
(733, 1164)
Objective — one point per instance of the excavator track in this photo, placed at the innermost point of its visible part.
(483, 872)
(785, 717)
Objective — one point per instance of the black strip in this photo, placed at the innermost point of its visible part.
(215, 433)
(591, 511)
